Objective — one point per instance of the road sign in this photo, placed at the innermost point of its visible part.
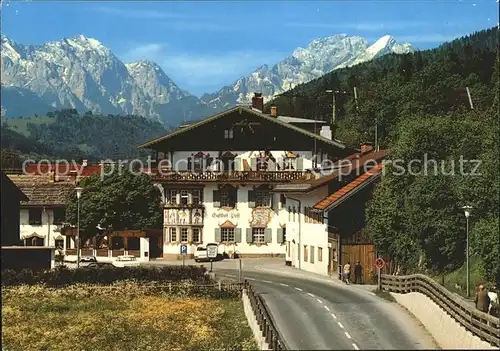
(184, 250)
(380, 263)
(212, 250)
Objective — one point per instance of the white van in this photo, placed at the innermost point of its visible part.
(200, 254)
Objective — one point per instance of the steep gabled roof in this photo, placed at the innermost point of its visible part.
(242, 109)
(9, 189)
(41, 191)
(344, 193)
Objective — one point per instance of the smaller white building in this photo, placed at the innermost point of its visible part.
(42, 216)
(313, 241)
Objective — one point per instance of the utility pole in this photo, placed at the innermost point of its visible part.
(376, 133)
(356, 98)
(334, 106)
(470, 98)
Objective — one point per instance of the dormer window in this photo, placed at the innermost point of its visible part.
(228, 134)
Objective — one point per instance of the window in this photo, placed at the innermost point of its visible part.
(35, 216)
(184, 197)
(173, 196)
(228, 134)
(59, 243)
(262, 198)
(196, 196)
(226, 196)
(198, 163)
(258, 235)
(224, 199)
(184, 234)
(282, 201)
(320, 254)
(305, 253)
(59, 215)
(173, 234)
(312, 216)
(261, 164)
(227, 234)
(196, 235)
(36, 241)
(289, 163)
(312, 255)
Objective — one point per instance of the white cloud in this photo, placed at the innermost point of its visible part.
(144, 52)
(367, 26)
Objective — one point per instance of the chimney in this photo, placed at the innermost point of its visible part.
(274, 111)
(258, 101)
(365, 147)
(326, 132)
(84, 163)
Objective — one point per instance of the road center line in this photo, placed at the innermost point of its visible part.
(267, 281)
(355, 346)
(334, 316)
(319, 300)
(373, 294)
(283, 284)
(310, 294)
(299, 289)
(326, 308)
(347, 334)
(251, 278)
(340, 325)
(230, 275)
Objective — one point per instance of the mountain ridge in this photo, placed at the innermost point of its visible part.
(82, 73)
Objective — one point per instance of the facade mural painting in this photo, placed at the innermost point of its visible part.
(183, 216)
(197, 217)
(261, 217)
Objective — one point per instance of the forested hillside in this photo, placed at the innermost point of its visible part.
(66, 134)
(423, 113)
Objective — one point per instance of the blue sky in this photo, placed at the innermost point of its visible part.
(203, 45)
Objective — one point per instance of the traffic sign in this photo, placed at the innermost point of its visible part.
(212, 250)
(380, 263)
(184, 250)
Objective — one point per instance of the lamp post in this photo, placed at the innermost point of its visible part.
(78, 195)
(467, 210)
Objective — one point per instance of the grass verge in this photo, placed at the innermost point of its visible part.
(384, 295)
(40, 318)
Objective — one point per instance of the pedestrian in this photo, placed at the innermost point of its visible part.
(482, 299)
(347, 272)
(358, 273)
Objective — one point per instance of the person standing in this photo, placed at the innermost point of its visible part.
(347, 272)
(358, 269)
(482, 299)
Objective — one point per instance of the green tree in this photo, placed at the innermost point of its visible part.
(121, 200)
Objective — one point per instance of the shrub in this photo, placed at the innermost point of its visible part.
(61, 276)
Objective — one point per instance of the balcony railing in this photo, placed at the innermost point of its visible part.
(232, 176)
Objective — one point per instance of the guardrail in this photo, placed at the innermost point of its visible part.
(271, 334)
(479, 323)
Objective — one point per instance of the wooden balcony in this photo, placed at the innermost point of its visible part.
(231, 176)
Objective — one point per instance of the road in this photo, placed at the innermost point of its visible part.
(318, 314)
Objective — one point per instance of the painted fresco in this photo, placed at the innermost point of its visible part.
(261, 217)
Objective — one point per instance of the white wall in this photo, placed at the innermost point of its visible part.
(278, 155)
(312, 234)
(278, 218)
(47, 229)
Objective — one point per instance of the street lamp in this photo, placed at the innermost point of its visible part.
(467, 210)
(78, 195)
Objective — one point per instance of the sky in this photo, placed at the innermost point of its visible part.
(204, 45)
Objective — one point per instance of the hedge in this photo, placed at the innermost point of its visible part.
(62, 276)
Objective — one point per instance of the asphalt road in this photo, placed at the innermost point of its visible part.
(315, 315)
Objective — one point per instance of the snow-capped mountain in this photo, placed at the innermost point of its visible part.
(303, 65)
(82, 73)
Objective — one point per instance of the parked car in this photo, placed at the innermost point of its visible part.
(200, 254)
(88, 259)
(126, 261)
(99, 265)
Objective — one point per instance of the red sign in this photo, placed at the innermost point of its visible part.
(380, 263)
